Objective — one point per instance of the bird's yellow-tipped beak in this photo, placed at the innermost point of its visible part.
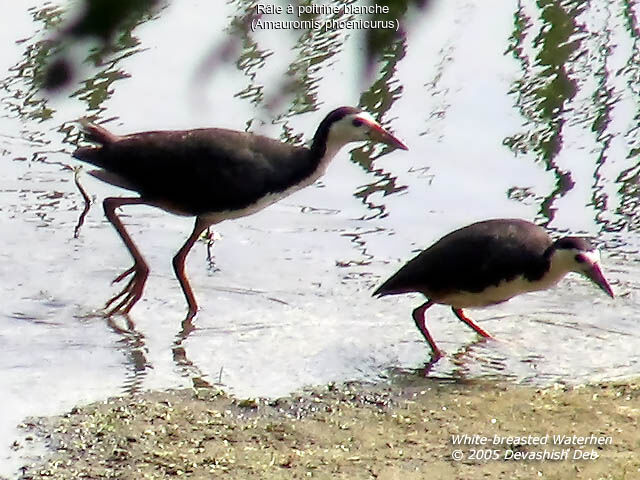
(381, 135)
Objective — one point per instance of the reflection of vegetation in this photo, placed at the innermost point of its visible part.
(378, 40)
(26, 78)
(546, 86)
(315, 48)
(106, 18)
(603, 100)
(379, 99)
(358, 239)
(102, 19)
(97, 89)
(571, 79)
(628, 210)
(251, 57)
(26, 103)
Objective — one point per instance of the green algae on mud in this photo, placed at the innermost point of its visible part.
(351, 431)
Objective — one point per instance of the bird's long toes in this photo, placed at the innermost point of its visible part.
(132, 292)
(123, 275)
(125, 305)
(131, 297)
(118, 308)
(125, 291)
(112, 300)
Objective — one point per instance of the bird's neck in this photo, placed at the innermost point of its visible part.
(323, 150)
(559, 262)
(551, 277)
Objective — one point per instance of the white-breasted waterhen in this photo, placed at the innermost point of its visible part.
(487, 263)
(213, 174)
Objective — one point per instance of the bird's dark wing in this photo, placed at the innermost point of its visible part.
(203, 170)
(472, 258)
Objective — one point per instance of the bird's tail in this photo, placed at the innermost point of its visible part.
(96, 133)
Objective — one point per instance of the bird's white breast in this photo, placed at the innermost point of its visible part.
(502, 292)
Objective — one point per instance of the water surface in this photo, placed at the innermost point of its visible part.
(527, 109)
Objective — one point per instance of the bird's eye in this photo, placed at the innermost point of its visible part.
(357, 122)
(580, 258)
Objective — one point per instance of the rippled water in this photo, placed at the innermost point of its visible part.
(529, 111)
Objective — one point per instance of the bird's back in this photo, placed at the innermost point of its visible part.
(472, 258)
(197, 171)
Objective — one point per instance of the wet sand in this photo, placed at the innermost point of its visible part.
(350, 431)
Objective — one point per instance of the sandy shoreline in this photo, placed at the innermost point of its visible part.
(466, 430)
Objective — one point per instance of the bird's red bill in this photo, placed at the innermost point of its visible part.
(382, 135)
(596, 276)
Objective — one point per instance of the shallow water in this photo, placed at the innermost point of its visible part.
(528, 111)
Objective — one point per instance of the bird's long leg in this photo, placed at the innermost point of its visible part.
(178, 267)
(419, 318)
(132, 292)
(460, 314)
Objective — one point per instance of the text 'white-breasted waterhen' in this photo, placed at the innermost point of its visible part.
(489, 262)
(213, 174)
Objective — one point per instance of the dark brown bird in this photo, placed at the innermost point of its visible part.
(487, 263)
(213, 174)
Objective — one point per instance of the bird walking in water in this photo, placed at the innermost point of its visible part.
(213, 174)
(487, 263)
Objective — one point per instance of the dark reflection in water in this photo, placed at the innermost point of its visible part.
(580, 71)
(629, 178)
(30, 103)
(546, 87)
(314, 49)
(251, 58)
(384, 92)
(27, 103)
(132, 345)
(311, 42)
(98, 88)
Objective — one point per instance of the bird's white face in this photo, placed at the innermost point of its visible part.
(576, 260)
(586, 259)
(585, 262)
(358, 127)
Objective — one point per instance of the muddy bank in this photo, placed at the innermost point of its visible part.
(351, 431)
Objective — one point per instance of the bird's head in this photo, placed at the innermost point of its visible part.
(578, 254)
(348, 124)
